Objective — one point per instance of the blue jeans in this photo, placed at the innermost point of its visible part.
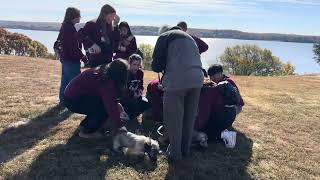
(68, 72)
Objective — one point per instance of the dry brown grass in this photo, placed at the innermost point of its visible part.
(278, 133)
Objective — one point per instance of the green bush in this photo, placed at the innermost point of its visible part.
(21, 45)
(147, 51)
(251, 60)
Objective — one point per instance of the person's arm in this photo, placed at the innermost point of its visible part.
(132, 47)
(109, 97)
(159, 57)
(140, 77)
(234, 84)
(83, 35)
(202, 46)
(115, 37)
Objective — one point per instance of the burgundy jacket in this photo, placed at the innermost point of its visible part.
(90, 83)
(130, 49)
(203, 47)
(155, 97)
(71, 48)
(92, 33)
(211, 100)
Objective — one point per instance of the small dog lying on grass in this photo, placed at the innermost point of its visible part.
(198, 138)
(136, 145)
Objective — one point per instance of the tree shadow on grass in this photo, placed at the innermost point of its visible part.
(16, 140)
(217, 162)
(80, 159)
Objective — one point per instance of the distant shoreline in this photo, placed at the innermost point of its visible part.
(152, 31)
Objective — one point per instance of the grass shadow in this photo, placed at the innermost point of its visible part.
(79, 159)
(16, 140)
(217, 162)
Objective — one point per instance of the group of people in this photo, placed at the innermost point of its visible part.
(186, 98)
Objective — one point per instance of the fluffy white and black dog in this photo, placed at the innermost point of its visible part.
(199, 138)
(136, 145)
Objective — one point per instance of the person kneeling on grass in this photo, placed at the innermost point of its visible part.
(133, 101)
(94, 93)
(220, 102)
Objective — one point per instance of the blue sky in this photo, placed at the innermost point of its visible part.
(277, 16)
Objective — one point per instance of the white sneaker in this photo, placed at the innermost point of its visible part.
(229, 138)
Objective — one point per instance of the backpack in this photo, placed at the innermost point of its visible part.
(229, 92)
(57, 47)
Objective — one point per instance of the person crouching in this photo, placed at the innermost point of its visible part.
(94, 93)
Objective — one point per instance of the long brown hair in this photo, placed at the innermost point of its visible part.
(105, 27)
(105, 10)
(71, 14)
(117, 71)
(126, 25)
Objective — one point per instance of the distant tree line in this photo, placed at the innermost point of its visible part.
(21, 45)
(251, 60)
(153, 31)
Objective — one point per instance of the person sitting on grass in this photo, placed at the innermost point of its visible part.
(220, 102)
(216, 113)
(127, 44)
(95, 93)
(133, 101)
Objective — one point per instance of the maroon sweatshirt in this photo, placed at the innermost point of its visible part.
(89, 83)
(135, 82)
(71, 48)
(203, 47)
(130, 49)
(155, 97)
(210, 101)
(92, 33)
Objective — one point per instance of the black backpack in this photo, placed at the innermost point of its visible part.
(229, 92)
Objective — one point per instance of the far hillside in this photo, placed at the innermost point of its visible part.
(152, 31)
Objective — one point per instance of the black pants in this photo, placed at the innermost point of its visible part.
(135, 107)
(91, 106)
(220, 121)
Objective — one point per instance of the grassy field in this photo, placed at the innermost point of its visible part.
(278, 133)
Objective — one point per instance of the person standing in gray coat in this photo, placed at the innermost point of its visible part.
(176, 55)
